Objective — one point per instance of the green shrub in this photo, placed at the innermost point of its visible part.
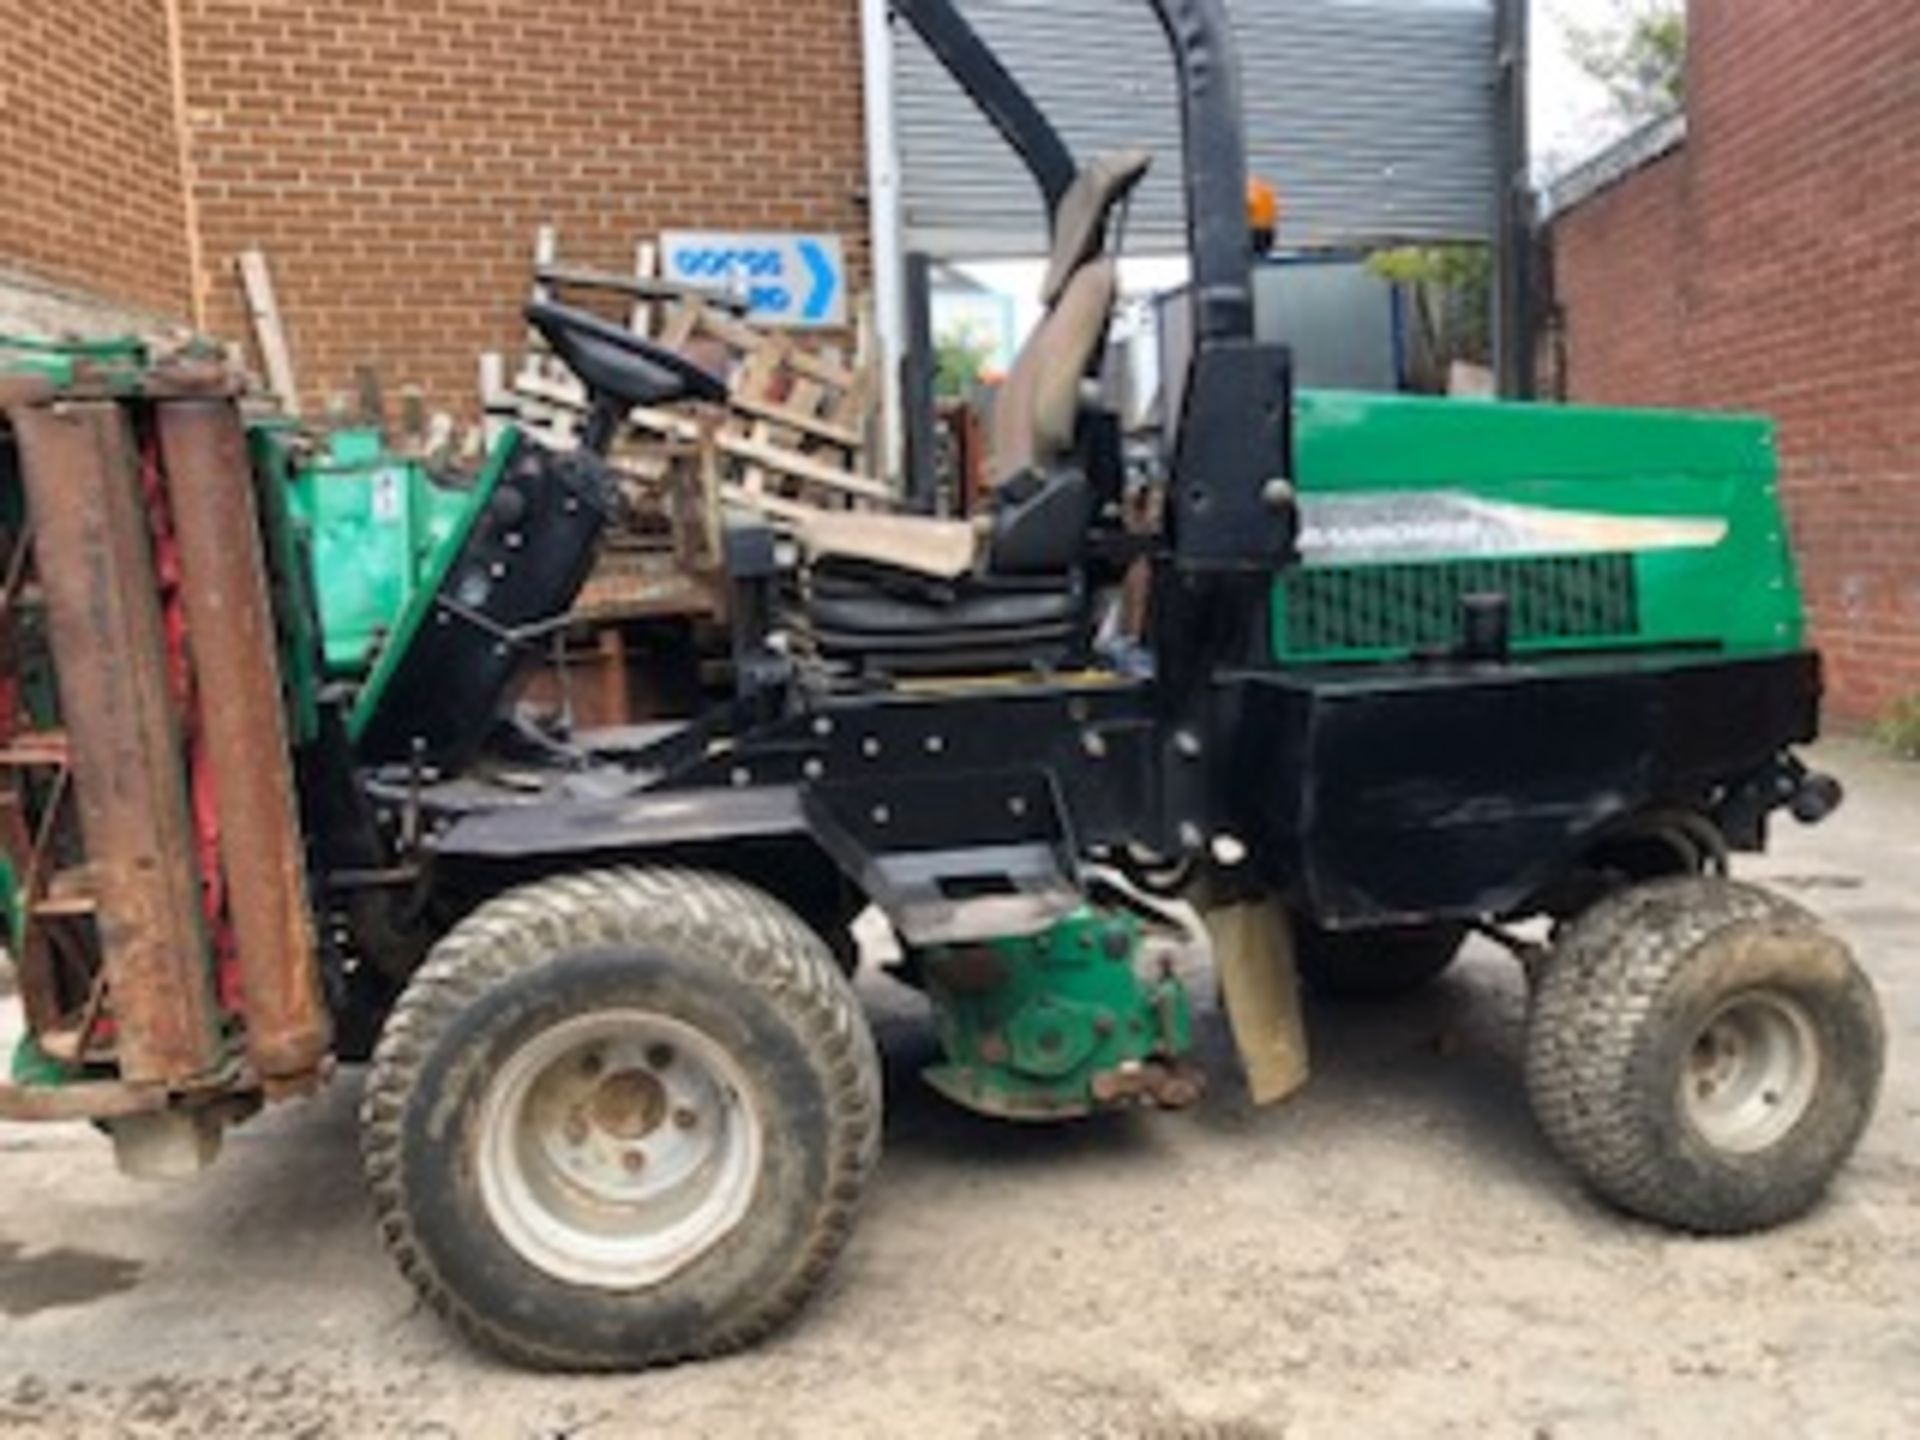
(1899, 728)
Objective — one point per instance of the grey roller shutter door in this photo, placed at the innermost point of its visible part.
(1377, 119)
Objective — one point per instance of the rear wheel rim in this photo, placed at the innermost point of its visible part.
(618, 1147)
(1751, 1072)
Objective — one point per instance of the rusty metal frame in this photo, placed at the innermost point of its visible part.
(24, 846)
(96, 571)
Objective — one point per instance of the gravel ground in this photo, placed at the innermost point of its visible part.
(1393, 1253)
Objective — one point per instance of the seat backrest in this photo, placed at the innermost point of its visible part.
(1039, 402)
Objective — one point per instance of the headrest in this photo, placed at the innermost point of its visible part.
(1080, 223)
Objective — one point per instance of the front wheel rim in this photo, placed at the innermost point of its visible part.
(1751, 1072)
(616, 1148)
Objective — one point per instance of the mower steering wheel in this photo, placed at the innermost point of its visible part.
(613, 361)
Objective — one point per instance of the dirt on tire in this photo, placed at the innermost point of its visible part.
(1621, 1001)
(712, 952)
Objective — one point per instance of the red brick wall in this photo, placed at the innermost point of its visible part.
(1616, 252)
(91, 192)
(395, 158)
(1773, 264)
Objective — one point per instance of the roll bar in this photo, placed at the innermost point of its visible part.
(1212, 140)
(998, 96)
(1230, 509)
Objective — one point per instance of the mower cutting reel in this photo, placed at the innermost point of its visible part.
(159, 897)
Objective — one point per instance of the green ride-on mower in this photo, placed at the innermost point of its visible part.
(1417, 669)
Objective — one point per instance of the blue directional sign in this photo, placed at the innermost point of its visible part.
(786, 279)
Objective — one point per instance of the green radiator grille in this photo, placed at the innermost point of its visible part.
(1369, 609)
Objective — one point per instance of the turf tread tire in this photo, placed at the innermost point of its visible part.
(764, 946)
(1603, 999)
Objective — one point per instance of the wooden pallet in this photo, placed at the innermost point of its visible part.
(792, 442)
(796, 430)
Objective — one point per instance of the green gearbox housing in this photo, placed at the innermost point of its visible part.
(1060, 1023)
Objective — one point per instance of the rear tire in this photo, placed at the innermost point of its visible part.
(622, 1118)
(1373, 964)
(1703, 1054)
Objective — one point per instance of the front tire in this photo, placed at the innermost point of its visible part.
(622, 1118)
(1703, 1054)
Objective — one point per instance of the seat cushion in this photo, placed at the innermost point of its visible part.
(884, 620)
(942, 549)
(880, 614)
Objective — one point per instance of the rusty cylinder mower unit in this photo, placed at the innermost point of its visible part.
(158, 883)
(230, 636)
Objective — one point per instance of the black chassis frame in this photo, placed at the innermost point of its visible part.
(1381, 795)
(1366, 795)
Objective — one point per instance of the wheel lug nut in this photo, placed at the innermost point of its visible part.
(659, 1057)
(577, 1128)
(591, 1064)
(686, 1117)
(635, 1161)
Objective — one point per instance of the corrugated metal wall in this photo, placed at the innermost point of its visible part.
(1376, 118)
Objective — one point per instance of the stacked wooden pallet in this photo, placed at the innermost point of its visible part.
(794, 436)
(793, 440)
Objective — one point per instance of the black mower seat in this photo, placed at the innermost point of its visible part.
(903, 592)
(1005, 590)
(913, 595)
(852, 597)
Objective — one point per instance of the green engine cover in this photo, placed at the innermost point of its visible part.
(1605, 529)
(1058, 1024)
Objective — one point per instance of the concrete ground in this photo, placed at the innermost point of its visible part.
(1394, 1253)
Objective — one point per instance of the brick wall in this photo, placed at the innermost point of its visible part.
(395, 158)
(92, 193)
(1773, 264)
